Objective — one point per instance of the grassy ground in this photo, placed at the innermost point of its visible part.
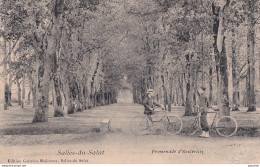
(16, 121)
(16, 128)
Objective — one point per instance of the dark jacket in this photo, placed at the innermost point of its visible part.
(203, 103)
(149, 104)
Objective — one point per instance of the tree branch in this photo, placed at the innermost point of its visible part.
(9, 53)
(241, 69)
(3, 12)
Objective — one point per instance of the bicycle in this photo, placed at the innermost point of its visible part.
(226, 126)
(170, 124)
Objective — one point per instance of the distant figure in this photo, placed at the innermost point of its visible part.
(203, 109)
(149, 105)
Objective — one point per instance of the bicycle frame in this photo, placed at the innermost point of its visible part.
(158, 121)
(227, 129)
(170, 124)
(214, 119)
(216, 113)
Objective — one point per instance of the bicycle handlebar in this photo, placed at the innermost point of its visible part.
(212, 112)
(209, 112)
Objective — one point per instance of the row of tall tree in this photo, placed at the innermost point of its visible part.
(59, 45)
(84, 49)
(192, 43)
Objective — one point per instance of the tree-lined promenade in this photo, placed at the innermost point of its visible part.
(81, 54)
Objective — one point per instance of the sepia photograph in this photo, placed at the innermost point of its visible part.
(129, 82)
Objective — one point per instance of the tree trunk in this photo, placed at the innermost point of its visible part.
(216, 25)
(58, 105)
(247, 93)
(6, 89)
(92, 85)
(108, 98)
(257, 81)
(23, 94)
(195, 76)
(171, 94)
(221, 58)
(70, 107)
(202, 61)
(57, 99)
(224, 108)
(251, 56)
(80, 97)
(182, 87)
(176, 97)
(9, 60)
(29, 97)
(235, 103)
(85, 95)
(69, 100)
(102, 98)
(239, 92)
(32, 80)
(210, 85)
(19, 92)
(34, 95)
(58, 102)
(165, 94)
(189, 86)
(95, 99)
(10, 89)
(6, 97)
(44, 67)
(31, 84)
(44, 63)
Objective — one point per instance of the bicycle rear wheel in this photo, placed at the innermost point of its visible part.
(226, 126)
(140, 125)
(172, 125)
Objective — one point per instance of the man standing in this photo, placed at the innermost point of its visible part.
(149, 105)
(203, 109)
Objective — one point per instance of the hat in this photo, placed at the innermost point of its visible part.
(203, 88)
(149, 91)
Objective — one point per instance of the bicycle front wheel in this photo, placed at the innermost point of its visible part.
(172, 125)
(140, 125)
(226, 126)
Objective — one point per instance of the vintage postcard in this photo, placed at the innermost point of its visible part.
(129, 82)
